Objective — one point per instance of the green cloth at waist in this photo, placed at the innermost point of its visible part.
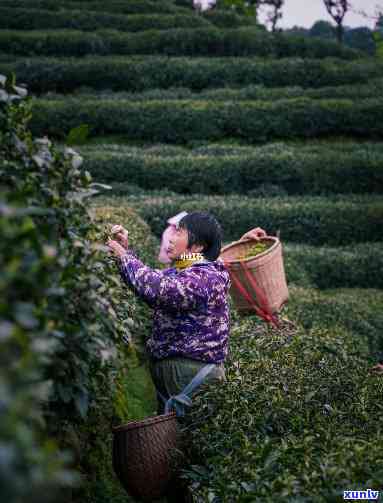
(171, 375)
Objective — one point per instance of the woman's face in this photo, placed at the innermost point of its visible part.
(178, 243)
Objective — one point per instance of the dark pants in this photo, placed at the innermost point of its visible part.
(171, 375)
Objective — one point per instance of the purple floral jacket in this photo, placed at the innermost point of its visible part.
(191, 307)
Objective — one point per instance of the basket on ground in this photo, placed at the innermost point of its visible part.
(142, 455)
(266, 271)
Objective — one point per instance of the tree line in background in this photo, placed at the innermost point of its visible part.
(361, 37)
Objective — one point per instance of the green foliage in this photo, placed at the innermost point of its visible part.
(361, 39)
(246, 93)
(148, 72)
(184, 121)
(378, 38)
(296, 417)
(293, 169)
(282, 426)
(32, 19)
(355, 266)
(330, 221)
(59, 328)
(244, 41)
(112, 6)
(246, 8)
(323, 29)
(224, 19)
(356, 311)
(78, 135)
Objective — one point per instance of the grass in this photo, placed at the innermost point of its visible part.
(139, 400)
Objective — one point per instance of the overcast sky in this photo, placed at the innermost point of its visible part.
(306, 12)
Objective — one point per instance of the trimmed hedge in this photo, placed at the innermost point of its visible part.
(258, 92)
(226, 19)
(357, 311)
(231, 148)
(32, 19)
(357, 266)
(298, 418)
(189, 42)
(330, 221)
(60, 341)
(183, 121)
(114, 6)
(139, 74)
(287, 168)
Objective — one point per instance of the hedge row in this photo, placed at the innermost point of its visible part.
(183, 121)
(358, 266)
(190, 42)
(114, 6)
(356, 310)
(317, 147)
(297, 419)
(255, 92)
(227, 19)
(330, 221)
(287, 169)
(32, 19)
(60, 344)
(139, 74)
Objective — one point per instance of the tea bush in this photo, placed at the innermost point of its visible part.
(146, 72)
(244, 41)
(184, 121)
(322, 267)
(356, 266)
(297, 419)
(33, 19)
(226, 19)
(113, 6)
(250, 93)
(297, 172)
(354, 310)
(235, 148)
(62, 321)
(329, 221)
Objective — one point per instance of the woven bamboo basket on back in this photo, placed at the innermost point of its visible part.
(143, 454)
(267, 269)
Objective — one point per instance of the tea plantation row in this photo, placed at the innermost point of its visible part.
(147, 72)
(113, 6)
(357, 265)
(278, 168)
(27, 19)
(244, 41)
(330, 221)
(246, 93)
(230, 147)
(297, 419)
(182, 121)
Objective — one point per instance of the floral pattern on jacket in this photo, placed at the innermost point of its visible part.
(191, 307)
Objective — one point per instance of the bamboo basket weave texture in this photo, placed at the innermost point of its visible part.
(142, 455)
(267, 268)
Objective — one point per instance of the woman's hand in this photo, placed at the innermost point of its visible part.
(116, 248)
(257, 233)
(120, 235)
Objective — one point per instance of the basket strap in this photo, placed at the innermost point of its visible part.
(261, 296)
(178, 402)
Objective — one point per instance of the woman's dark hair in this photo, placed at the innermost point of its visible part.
(203, 229)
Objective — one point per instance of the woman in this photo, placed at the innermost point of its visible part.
(190, 301)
